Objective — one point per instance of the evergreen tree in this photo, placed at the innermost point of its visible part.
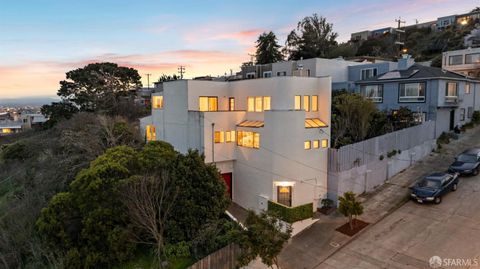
(268, 50)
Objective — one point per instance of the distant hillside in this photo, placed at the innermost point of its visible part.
(23, 101)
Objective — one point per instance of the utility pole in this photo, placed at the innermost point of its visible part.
(399, 21)
(400, 34)
(252, 56)
(181, 71)
(148, 80)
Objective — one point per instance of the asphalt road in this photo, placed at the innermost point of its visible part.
(414, 233)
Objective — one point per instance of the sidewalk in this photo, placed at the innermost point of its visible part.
(314, 245)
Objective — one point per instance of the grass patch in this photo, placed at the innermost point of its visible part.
(146, 260)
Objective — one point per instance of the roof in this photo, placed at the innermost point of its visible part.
(254, 124)
(472, 151)
(437, 176)
(314, 123)
(415, 72)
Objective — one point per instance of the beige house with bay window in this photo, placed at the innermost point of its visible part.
(269, 137)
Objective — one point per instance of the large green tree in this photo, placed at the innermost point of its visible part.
(313, 37)
(268, 49)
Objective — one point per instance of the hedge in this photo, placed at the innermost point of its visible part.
(291, 214)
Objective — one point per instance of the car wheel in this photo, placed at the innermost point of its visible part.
(438, 200)
(454, 187)
(475, 172)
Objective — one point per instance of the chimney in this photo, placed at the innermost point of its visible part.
(405, 62)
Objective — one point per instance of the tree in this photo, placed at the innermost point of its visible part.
(313, 37)
(345, 50)
(268, 50)
(165, 78)
(149, 201)
(264, 237)
(350, 207)
(58, 111)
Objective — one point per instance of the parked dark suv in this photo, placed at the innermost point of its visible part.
(433, 187)
(467, 163)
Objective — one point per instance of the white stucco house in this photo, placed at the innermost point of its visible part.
(269, 137)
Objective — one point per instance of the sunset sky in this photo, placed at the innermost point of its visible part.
(42, 39)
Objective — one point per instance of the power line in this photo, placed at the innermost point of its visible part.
(148, 80)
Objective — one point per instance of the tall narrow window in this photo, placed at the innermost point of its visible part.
(324, 143)
(258, 104)
(316, 144)
(157, 102)
(150, 133)
(314, 103)
(231, 104)
(298, 102)
(256, 140)
(306, 103)
(266, 103)
(284, 195)
(229, 136)
(250, 104)
(219, 137)
(208, 103)
(468, 89)
(307, 144)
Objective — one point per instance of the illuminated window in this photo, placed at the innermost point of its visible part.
(284, 195)
(316, 144)
(308, 144)
(324, 143)
(157, 102)
(150, 133)
(298, 102)
(231, 104)
(230, 136)
(7, 131)
(258, 104)
(248, 139)
(306, 102)
(266, 103)
(468, 88)
(219, 137)
(208, 103)
(250, 104)
(314, 103)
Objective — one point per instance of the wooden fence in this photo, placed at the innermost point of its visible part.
(225, 258)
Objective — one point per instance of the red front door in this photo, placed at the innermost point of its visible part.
(227, 177)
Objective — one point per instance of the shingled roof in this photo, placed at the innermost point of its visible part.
(415, 72)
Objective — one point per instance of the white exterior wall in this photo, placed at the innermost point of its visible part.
(281, 157)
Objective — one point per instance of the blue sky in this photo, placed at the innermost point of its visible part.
(42, 39)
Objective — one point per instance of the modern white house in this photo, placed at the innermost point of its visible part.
(269, 137)
(465, 62)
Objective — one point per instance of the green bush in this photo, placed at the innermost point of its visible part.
(444, 138)
(177, 251)
(14, 151)
(476, 117)
(291, 214)
(327, 203)
(392, 153)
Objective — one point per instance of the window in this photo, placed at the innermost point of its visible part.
(373, 92)
(208, 103)
(306, 103)
(281, 74)
(150, 133)
(412, 92)
(451, 89)
(250, 75)
(324, 143)
(472, 58)
(314, 103)
(230, 136)
(157, 102)
(284, 195)
(267, 74)
(298, 102)
(368, 73)
(462, 114)
(258, 103)
(455, 60)
(316, 144)
(219, 137)
(248, 139)
(470, 112)
(307, 144)
(231, 104)
(468, 88)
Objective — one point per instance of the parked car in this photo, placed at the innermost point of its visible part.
(467, 163)
(433, 187)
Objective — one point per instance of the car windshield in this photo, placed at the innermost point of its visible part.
(428, 183)
(466, 158)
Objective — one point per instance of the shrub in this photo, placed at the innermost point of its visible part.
(14, 151)
(444, 138)
(476, 117)
(327, 203)
(392, 153)
(291, 214)
(176, 251)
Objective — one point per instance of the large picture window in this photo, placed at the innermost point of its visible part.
(208, 103)
(248, 139)
(412, 92)
(473, 58)
(284, 195)
(368, 73)
(373, 92)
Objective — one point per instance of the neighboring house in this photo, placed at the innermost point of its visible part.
(11, 127)
(268, 137)
(466, 61)
(432, 93)
(337, 69)
(364, 35)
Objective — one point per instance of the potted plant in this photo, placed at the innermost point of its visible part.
(327, 206)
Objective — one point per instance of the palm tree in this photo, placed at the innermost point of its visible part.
(268, 50)
(350, 207)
